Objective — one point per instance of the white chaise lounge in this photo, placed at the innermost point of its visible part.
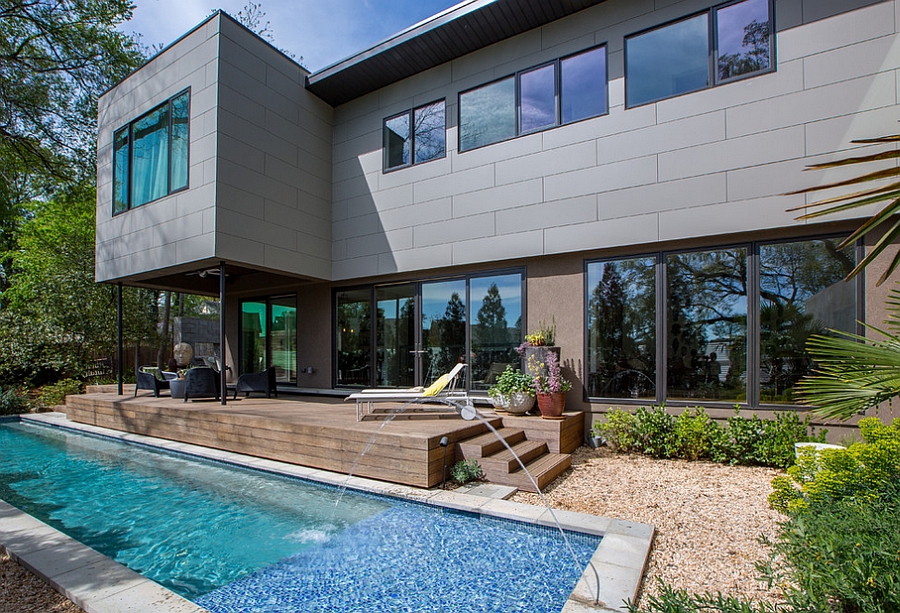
(441, 392)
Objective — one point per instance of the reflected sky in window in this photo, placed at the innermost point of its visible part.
(538, 98)
(583, 85)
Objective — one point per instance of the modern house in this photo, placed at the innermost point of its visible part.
(616, 168)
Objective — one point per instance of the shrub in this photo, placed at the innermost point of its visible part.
(12, 403)
(833, 474)
(618, 430)
(55, 394)
(671, 600)
(465, 471)
(697, 436)
(843, 554)
(654, 431)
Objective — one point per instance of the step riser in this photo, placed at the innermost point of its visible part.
(486, 445)
(508, 463)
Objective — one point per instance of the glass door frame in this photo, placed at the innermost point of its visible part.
(269, 302)
(418, 332)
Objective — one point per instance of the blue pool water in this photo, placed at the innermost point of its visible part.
(234, 539)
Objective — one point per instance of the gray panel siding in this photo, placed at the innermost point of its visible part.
(703, 164)
(173, 229)
(260, 176)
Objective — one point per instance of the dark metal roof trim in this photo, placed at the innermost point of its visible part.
(461, 29)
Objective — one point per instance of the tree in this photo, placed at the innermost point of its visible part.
(60, 317)
(490, 336)
(55, 56)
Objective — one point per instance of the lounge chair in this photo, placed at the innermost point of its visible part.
(263, 382)
(201, 382)
(153, 379)
(441, 392)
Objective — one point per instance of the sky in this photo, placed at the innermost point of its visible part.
(321, 32)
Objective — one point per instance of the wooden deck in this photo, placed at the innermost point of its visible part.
(319, 432)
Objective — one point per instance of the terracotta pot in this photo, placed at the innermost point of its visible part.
(552, 405)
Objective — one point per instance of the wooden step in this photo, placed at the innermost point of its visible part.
(487, 444)
(544, 470)
(505, 462)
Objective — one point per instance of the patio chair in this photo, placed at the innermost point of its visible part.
(201, 382)
(263, 382)
(151, 378)
(442, 392)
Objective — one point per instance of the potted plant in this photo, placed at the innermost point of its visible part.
(537, 345)
(513, 391)
(550, 386)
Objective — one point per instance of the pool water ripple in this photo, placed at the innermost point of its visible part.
(234, 539)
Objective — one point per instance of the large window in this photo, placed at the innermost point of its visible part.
(727, 325)
(559, 92)
(674, 58)
(150, 155)
(415, 136)
(422, 330)
(269, 337)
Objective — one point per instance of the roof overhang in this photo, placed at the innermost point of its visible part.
(461, 29)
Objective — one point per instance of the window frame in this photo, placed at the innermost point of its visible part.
(712, 42)
(128, 129)
(753, 327)
(410, 115)
(558, 98)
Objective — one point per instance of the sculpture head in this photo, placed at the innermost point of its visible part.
(183, 354)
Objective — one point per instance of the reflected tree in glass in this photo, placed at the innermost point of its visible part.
(622, 329)
(802, 292)
(493, 340)
(487, 114)
(706, 317)
(744, 38)
(353, 338)
(429, 138)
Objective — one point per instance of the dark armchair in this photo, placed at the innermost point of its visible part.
(201, 383)
(263, 382)
(150, 378)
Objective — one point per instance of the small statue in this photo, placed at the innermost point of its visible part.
(183, 354)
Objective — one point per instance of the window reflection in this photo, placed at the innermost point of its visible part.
(180, 119)
(802, 292)
(150, 157)
(430, 132)
(706, 320)
(352, 337)
(396, 141)
(487, 114)
(537, 92)
(120, 171)
(583, 85)
(743, 38)
(496, 327)
(670, 60)
(395, 336)
(622, 328)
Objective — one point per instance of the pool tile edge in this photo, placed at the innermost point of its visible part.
(619, 560)
(75, 570)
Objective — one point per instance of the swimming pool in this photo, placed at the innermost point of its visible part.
(233, 539)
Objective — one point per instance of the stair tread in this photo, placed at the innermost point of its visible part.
(483, 445)
(507, 460)
(544, 469)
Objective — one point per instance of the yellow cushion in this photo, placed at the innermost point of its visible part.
(439, 384)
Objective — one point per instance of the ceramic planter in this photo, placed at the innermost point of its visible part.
(552, 405)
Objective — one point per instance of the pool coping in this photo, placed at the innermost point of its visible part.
(98, 584)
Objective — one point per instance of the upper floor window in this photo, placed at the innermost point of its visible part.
(150, 155)
(415, 136)
(674, 58)
(560, 92)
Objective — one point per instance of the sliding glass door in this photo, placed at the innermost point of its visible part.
(409, 334)
(269, 337)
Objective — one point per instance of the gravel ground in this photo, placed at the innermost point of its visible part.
(707, 517)
(22, 592)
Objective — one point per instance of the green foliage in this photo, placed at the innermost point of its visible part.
(887, 191)
(842, 554)
(693, 435)
(12, 403)
(55, 394)
(654, 431)
(465, 471)
(835, 474)
(618, 430)
(671, 600)
(512, 380)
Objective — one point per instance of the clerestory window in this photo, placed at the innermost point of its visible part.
(415, 136)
